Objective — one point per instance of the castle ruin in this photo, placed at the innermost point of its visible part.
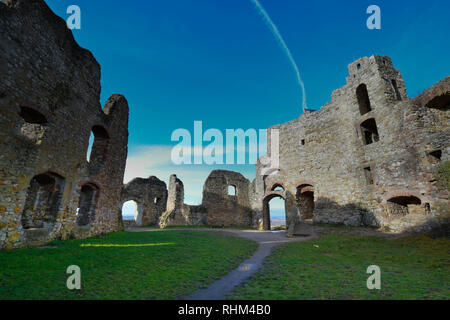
(366, 158)
(49, 106)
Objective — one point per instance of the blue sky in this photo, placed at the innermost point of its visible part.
(216, 61)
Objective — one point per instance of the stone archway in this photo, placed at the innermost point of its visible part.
(44, 197)
(131, 206)
(402, 205)
(266, 209)
(305, 201)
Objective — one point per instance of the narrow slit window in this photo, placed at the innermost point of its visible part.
(369, 175)
(98, 145)
(396, 91)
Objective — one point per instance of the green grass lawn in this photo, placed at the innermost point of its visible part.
(124, 265)
(201, 226)
(414, 267)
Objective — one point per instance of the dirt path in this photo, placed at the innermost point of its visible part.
(267, 240)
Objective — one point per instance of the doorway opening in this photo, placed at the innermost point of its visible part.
(274, 213)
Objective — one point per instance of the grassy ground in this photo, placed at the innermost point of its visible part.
(334, 267)
(202, 226)
(146, 265)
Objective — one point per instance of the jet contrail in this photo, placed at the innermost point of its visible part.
(283, 45)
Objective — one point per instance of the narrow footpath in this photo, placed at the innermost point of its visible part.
(267, 240)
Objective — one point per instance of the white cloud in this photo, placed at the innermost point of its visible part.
(142, 161)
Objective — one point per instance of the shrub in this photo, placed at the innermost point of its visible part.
(442, 174)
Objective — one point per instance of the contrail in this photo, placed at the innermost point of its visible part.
(284, 47)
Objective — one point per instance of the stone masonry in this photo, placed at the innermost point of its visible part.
(366, 158)
(49, 106)
(226, 197)
(150, 196)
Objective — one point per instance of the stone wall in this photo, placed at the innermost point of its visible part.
(365, 158)
(226, 197)
(218, 208)
(178, 213)
(49, 105)
(370, 146)
(150, 196)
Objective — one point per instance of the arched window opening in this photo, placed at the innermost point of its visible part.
(43, 201)
(277, 187)
(363, 99)
(305, 201)
(130, 210)
(274, 213)
(97, 151)
(435, 156)
(396, 91)
(30, 115)
(369, 131)
(441, 102)
(264, 182)
(232, 190)
(34, 124)
(402, 205)
(87, 205)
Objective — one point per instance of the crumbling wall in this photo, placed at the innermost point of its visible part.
(369, 144)
(151, 197)
(226, 209)
(49, 105)
(178, 213)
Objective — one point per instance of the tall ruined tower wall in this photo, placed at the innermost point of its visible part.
(49, 105)
(367, 146)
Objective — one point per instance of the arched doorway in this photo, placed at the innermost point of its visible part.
(274, 213)
(44, 196)
(130, 211)
(305, 201)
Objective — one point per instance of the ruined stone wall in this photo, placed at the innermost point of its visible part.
(49, 104)
(150, 196)
(226, 209)
(177, 212)
(352, 169)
